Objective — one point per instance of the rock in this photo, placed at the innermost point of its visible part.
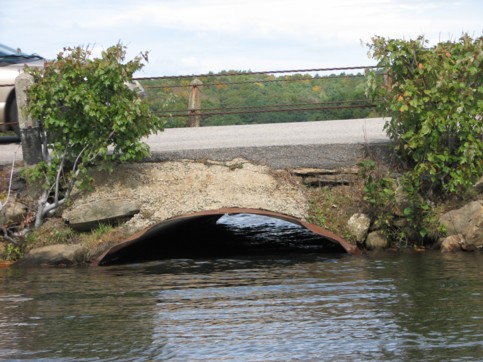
(52, 255)
(358, 226)
(467, 221)
(452, 243)
(322, 177)
(13, 212)
(376, 240)
(307, 171)
(474, 233)
(458, 221)
(324, 180)
(88, 216)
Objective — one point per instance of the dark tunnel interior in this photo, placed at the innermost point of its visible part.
(218, 236)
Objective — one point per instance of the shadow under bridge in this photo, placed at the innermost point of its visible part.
(225, 232)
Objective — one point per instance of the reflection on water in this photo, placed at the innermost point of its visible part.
(400, 307)
(259, 232)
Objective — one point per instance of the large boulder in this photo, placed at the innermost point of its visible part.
(53, 255)
(452, 243)
(474, 233)
(457, 221)
(376, 240)
(468, 222)
(358, 226)
(90, 215)
(13, 212)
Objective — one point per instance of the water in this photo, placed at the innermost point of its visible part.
(282, 308)
(293, 307)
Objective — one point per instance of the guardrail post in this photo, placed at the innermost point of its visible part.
(29, 128)
(194, 103)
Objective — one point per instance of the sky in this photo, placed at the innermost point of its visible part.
(185, 37)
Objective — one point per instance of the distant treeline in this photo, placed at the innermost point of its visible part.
(234, 97)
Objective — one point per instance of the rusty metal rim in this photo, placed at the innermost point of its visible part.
(350, 248)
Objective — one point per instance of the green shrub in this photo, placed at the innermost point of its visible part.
(88, 116)
(434, 96)
(12, 252)
(395, 209)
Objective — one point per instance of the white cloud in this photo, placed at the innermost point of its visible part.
(211, 35)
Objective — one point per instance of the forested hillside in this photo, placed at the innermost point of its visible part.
(233, 97)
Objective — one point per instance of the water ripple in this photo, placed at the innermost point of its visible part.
(272, 308)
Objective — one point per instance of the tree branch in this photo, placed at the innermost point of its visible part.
(10, 180)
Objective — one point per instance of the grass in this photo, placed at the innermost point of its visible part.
(332, 207)
(55, 231)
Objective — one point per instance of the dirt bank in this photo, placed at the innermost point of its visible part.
(168, 189)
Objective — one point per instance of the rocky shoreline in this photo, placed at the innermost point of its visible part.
(139, 195)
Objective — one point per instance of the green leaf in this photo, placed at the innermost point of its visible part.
(403, 108)
(408, 211)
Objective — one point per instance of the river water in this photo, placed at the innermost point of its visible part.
(293, 307)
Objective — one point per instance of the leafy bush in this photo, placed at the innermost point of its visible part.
(434, 96)
(12, 252)
(379, 193)
(400, 213)
(88, 115)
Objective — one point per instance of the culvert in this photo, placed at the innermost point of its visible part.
(199, 235)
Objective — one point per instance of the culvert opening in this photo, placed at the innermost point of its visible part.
(225, 233)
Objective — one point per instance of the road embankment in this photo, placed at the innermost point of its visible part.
(324, 144)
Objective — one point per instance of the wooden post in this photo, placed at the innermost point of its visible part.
(388, 80)
(29, 128)
(194, 103)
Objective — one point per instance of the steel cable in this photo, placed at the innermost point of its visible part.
(253, 73)
(256, 81)
(201, 113)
